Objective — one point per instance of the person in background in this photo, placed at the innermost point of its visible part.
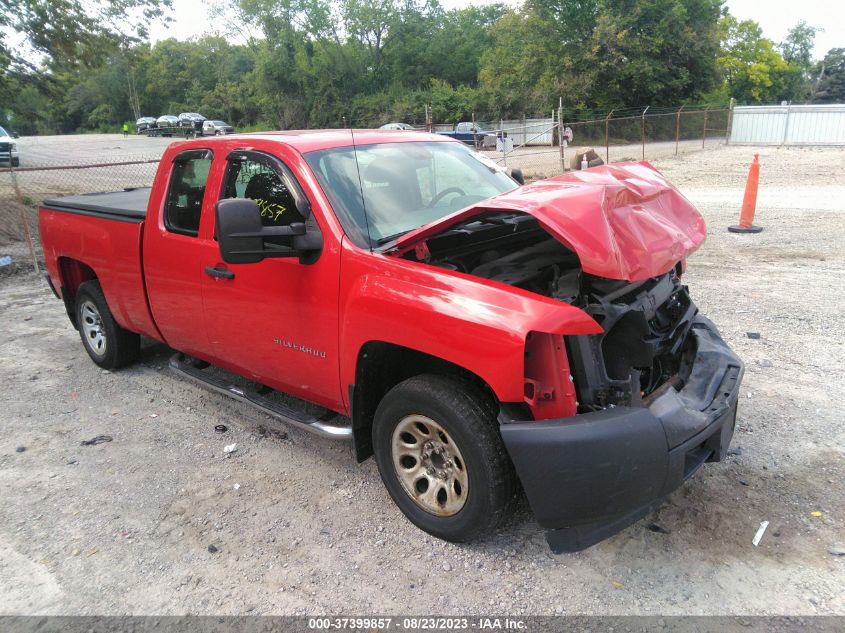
(125, 130)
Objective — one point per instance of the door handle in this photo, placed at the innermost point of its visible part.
(219, 272)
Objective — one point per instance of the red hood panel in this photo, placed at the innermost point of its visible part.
(625, 221)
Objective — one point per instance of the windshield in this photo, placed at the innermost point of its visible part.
(404, 185)
(223, 123)
(3, 132)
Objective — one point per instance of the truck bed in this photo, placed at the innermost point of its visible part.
(100, 236)
(129, 205)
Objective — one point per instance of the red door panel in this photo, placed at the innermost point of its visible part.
(274, 321)
(173, 251)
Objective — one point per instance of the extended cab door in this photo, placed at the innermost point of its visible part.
(275, 321)
(174, 251)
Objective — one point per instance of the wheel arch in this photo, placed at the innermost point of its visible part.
(72, 274)
(380, 366)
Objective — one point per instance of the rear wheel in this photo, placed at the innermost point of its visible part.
(108, 344)
(440, 455)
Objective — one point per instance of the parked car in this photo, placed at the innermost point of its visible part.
(8, 149)
(145, 123)
(191, 120)
(216, 128)
(470, 133)
(396, 126)
(475, 336)
(167, 120)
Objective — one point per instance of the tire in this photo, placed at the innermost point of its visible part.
(473, 455)
(217, 133)
(108, 344)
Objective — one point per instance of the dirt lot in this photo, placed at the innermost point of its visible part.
(298, 527)
(36, 151)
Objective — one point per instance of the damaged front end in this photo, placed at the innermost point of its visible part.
(592, 474)
(655, 398)
(612, 422)
(645, 343)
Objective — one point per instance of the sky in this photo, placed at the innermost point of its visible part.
(774, 16)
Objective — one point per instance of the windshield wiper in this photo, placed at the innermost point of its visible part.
(392, 238)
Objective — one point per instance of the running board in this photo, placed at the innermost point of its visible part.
(322, 426)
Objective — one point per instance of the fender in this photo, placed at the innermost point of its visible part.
(102, 246)
(474, 323)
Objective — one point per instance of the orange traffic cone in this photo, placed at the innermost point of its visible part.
(749, 202)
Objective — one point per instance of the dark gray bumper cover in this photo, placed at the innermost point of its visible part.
(589, 476)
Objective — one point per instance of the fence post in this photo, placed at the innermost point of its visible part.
(642, 134)
(704, 129)
(678, 129)
(607, 137)
(786, 123)
(560, 140)
(504, 145)
(524, 132)
(24, 219)
(730, 121)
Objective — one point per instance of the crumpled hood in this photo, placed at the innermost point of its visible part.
(624, 221)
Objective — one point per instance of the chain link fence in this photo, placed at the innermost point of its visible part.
(615, 137)
(532, 144)
(23, 188)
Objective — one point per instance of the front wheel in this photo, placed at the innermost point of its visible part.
(441, 458)
(108, 344)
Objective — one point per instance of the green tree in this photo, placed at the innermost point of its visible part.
(657, 52)
(434, 44)
(752, 69)
(603, 53)
(516, 67)
(73, 30)
(830, 85)
(797, 50)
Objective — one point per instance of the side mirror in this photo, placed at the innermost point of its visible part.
(516, 174)
(241, 235)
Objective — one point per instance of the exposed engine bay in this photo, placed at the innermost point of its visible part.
(645, 344)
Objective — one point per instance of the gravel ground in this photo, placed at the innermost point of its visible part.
(82, 149)
(125, 527)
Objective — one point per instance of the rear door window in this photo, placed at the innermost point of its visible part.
(183, 205)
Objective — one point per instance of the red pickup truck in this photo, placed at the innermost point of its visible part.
(478, 336)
